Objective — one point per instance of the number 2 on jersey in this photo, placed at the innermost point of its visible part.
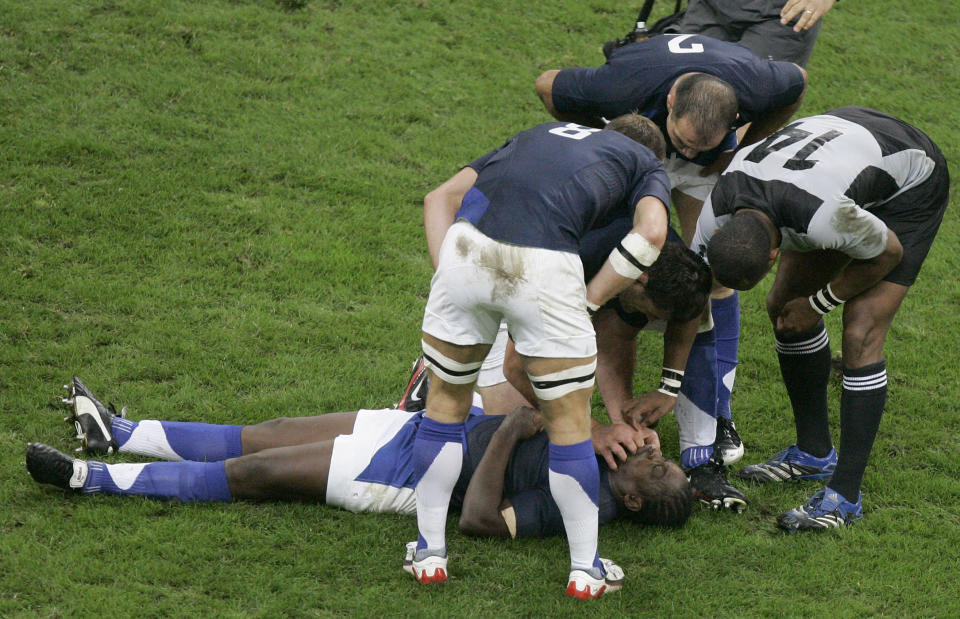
(791, 135)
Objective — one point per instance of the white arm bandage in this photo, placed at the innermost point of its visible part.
(633, 256)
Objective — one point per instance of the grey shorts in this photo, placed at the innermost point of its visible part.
(755, 24)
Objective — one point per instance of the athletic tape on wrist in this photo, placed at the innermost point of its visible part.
(823, 300)
(592, 308)
(633, 256)
(670, 381)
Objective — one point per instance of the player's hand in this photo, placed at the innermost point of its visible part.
(523, 422)
(810, 12)
(617, 441)
(647, 410)
(797, 317)
(719, 164)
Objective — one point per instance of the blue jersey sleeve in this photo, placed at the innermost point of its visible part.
(652, 181)
(764, 86)
(537, 513)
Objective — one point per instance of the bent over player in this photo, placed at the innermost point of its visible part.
(851, 201)
(512, 254)
(698, 90)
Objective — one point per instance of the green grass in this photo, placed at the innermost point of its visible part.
(211, 211)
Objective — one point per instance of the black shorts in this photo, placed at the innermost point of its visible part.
(915, 217)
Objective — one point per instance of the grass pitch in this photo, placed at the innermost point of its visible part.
(212, 212)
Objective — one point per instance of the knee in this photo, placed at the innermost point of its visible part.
(266, 428)
(248, 476)
(774, 305)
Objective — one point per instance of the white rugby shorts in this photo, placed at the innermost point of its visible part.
(491, 372)
(352, 454)
(539, 292)
(685, 177)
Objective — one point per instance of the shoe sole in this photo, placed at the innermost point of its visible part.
(431, 570)
(728, 503)
(593, 587)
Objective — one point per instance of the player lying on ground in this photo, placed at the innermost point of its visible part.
(359, 461)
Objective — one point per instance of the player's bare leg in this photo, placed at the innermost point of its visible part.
(438, 450)
(563, 388)
(297, 472)
(289, 431)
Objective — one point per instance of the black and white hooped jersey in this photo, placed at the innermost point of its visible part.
(549, 185)
(819, 178)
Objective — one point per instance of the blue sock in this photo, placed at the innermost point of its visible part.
(437, 460)
(692, 457)
(575, 486)
(175, 440)
(189, 482)
(696, 409)
(726, 320)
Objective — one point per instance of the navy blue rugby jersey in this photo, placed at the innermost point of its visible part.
(526, 482)
(549, 185)
(638, 76)
(822, 180)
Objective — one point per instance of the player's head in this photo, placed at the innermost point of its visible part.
(701, 111)
(652, 489)
(678, 283)
(640, 129)
(742, 251)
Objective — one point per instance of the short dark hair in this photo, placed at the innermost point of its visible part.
(666, 501)
(679, 282)
(642, 130)
(708, 102)
(739, 252)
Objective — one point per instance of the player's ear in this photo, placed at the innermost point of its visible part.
(671, 97)
(633, 502)
(774, 254)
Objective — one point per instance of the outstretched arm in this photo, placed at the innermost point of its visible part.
(650, 407)
(616, 360)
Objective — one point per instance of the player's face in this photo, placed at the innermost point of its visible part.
(686, 140)
(649, 463)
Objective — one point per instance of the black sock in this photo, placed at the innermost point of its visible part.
(861, 407)
(805, 367)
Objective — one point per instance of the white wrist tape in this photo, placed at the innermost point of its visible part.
(823, 300)
(670, 381)
(592, 307)
(633, 256)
